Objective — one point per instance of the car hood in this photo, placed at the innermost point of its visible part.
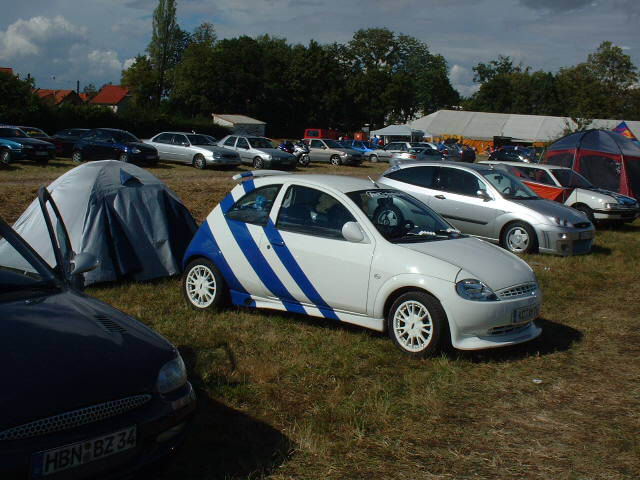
(276, 152)
(350, 151)
(486, 262)
(145, 147)
(61, 353)
(32, 141)
(215, 149)
(549, 208)
(622, 199)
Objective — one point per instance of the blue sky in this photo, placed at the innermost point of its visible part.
(61, 41)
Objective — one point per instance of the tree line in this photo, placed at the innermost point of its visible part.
(376, 78)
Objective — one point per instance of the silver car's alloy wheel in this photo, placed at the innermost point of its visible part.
(258, 163)
(518, 239)
(199, 162)
(413, 326)
(335, 160)
(76, 157)
(201, 286)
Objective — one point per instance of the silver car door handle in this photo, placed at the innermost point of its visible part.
(440, 197)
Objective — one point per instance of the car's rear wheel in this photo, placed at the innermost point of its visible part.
(335, 160)
(203, 286)
(124, 158)
(417, 324)
(76, 157)
(373, 158)
(258, 163)
(5, 157)
(519, 237)
(587, 211)
(199, 162)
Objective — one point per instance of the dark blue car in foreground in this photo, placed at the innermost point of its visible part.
(88, 391)
(113, 144)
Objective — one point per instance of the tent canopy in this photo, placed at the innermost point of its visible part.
(609, 160)
(130, 220)
(400, 131)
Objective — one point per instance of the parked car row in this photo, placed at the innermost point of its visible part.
(16, 144)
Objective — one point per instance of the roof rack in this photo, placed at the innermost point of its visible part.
(257, 174)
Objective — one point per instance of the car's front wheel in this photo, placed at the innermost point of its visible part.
(5, 157)
(587, 211)
(203, 285)
(76, 157)
(335, 160)
(519, 237)
(417, 324)
(258, 163)
(124, 158)
(199, 162)
(373, 158)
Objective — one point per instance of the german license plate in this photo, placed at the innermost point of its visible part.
(151, 157)
(526, 314)
(585, 235)
(71, 456)
(42, 153)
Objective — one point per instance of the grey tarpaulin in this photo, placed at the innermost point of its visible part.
(136, 226)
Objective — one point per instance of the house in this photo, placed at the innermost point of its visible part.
(116, 97)
(84, 97)
(6, 70)
(59, 97)
(240, 124)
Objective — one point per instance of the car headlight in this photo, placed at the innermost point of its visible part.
(216, 154)
(135, 150)
(344, 154)
(562, 222)
(610, 205)
(472, 289)
(269, 157)
(172, 376)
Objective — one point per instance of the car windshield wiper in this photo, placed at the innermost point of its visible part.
(440, 233)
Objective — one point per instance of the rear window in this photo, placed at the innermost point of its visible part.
(419, 176)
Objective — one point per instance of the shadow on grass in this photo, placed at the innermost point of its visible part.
(599, 250)
(555, 337)
(620, 227)
(222, 443)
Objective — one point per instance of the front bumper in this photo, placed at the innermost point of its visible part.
(352, 160)
(280, 163)
(564, 241)
(39, 154)
(480, 325)
(143, 157)
(161, 427)
(224, 161)
(626, 214)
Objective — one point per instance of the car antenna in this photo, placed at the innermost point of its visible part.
(373, 181)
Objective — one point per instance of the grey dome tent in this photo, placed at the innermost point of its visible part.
(130, 220)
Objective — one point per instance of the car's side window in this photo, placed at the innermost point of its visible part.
(102, 137)
(89, 136)
(242, 143)
(312, 212)
(419, 176)
(458, 181)
(180, 140)
(255, 206)
(163, 138)
(316, 144)
(230, 142)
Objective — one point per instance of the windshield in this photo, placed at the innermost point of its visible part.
(33, 132)
(509, 186)
(199, 140)
(259, 142)
(401, 218)
(11, 133)
(20, 270)
(333, 144)
(569, 178)
(125, 137)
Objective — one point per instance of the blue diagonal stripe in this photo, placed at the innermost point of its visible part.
(296, 272)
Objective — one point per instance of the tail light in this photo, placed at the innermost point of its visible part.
(413, 156)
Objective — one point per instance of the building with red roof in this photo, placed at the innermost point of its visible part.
(6, 70)
(115, 97)
(58, 97)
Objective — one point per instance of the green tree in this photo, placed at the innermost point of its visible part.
(142, 79)
(168, 42)
(485, 72)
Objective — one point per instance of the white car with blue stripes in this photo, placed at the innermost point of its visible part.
(345, 249)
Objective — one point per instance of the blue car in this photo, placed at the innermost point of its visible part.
(113, 144)
(17, 145)
(89, 392)
(363, 146)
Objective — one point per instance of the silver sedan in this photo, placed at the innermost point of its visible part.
(192, 149)
(494, 205)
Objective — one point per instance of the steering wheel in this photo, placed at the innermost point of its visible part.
(390, 219)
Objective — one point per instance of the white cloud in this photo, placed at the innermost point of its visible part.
(128, 62)
(462, 80)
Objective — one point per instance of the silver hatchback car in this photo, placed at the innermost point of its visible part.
(258, 152)
(193, 149)
(494, 205)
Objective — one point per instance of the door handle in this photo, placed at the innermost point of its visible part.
(440, 197)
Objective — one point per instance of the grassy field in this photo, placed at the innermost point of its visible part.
(291, 397)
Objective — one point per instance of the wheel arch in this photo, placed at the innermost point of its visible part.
(524, 222)
(395, 294)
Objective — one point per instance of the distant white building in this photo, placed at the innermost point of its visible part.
(240, 124)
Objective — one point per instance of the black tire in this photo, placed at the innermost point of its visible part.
(258, 163)
(199, 162)
(76, 156)
(335, 160)
(417, 324)
(5, 157)
(124, 158)
(373, 158)
(304, 160)
(587, 211)
(519, 237)
(203, 286)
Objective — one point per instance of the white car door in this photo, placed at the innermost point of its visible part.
(162, 144)
(181, 149)
(304, 244)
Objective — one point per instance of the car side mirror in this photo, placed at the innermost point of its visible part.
(484, 195)
(352, 232)
(84, 262)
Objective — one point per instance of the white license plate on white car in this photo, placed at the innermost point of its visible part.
(81, 453)
(526, 314)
